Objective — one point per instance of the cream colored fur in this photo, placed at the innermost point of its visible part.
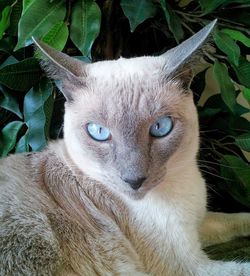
(66, 211)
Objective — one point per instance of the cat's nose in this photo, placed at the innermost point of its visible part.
(135, 183)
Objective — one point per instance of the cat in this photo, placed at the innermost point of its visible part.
(121, 193)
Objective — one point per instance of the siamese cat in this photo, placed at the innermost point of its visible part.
(122, 193)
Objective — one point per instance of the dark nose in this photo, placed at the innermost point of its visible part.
(135, 183)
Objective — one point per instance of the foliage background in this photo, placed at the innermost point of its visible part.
(31, 107)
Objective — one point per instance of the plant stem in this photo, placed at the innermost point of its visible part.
(68, 14)
(187, 27)
(14, 3)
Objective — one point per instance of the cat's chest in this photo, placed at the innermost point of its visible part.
(160, 231)
(155, 219)
(158, 213)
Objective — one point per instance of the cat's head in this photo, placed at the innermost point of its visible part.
(129, 122)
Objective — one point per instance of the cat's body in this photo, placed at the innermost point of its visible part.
(73, 209)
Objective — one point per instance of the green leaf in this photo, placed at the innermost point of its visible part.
(216, 104)
(237, 35)
(7, 44)
(14, 18)
(243, 141)
(37, 18)
(85, 24)
(226, 86)
(5, 20)
(4, 3)
(22, 75)
(239, 110)
(238, 124)
(208, 112)
(211, 5)
(22, 145)
(138, 11)
(8, 136)
(27, 4)
(9, 102)
(57, 36)
(243, 71)
(174, 22)
(10, 60)
(237, 175)
(246, 94)
(35, 115)
(227, 45)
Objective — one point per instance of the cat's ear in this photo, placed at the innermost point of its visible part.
(68, 71)
(178, 60)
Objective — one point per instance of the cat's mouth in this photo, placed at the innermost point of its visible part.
(136, 187)
(141, 192)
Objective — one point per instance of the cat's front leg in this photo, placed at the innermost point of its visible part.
(221, 227)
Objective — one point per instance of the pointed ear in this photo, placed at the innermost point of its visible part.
(177, 60)
(59, 66)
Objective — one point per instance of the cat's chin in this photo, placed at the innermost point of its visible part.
(137, 194)
(122, 188)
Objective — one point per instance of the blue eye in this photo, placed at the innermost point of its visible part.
(98, 132)
(161, 127)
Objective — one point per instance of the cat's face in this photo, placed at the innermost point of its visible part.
(130, 124)
(129, 99)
